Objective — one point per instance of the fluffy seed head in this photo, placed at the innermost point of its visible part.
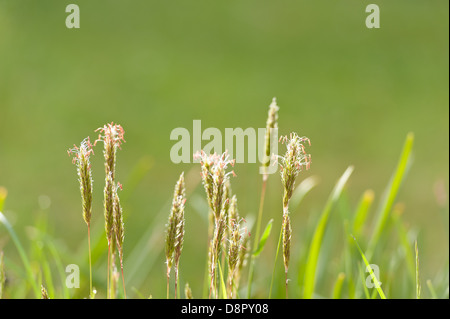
(175, 225)
(112, 137)
(108, 193)
(84, 172)
(235, 244)
(214, 177)
(119, 227)
(272, 122)
(286, 240)
(293, 162)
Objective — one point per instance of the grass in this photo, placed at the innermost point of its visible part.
(229, 242)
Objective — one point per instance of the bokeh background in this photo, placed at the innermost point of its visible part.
(152, 66)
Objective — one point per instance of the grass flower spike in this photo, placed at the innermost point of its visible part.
(234, 253)
(119, 229)
(112, 136)
(292, 163)
(84, 172)
(215, 180)
(175, 231)
(272, 123)
(271, 126)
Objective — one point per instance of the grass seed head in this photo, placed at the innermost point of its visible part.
(108, 193)
(44, 294)
(84, 172)
(272, 122)
(175, 225)
(119, 227)
(214, 178)
(287, 231)
(292, 163)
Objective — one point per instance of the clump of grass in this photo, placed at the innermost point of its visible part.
(175, 231)
(292, 163)
(84, 172)
(112, 136)
(215, 180)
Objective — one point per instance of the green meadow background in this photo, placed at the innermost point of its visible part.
(153, 66)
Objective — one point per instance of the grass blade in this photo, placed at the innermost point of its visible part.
(222, 283)
(431, 288)
(374, 278)
(391, 193)
(362, 211)
(404, 241)
(418, 288)
(23, 255)
(314, 250)
(263, 239)
(361, 274)
(337, 291)
(274, 266)
(301, 190)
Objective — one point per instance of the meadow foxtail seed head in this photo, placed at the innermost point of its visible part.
(118, 225)
(287, 231)
(293, 162)
(214, 178)
(108, 193)
(112, 136)
(175, 225)
(84, 172)
(272, 123)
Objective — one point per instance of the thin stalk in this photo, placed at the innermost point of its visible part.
(168, 277)
(108, 292)
(90, 262)
(176, 282)
(275, 263)
(258, 230)
(123, 278)
(286, 280)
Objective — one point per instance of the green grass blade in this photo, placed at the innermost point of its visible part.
(222, 283)
(404, 241)
(301, 190)
(374, 278)
(3, 194)
(274, 265)
(391, 193)
(363, 280)
(59, 265)
(23, 255)
(431, 289)
(314, 250)
(418, 288)
(263, 239)
(361, 213)
(337, 291)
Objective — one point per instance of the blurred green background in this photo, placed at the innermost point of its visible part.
(152, 66)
